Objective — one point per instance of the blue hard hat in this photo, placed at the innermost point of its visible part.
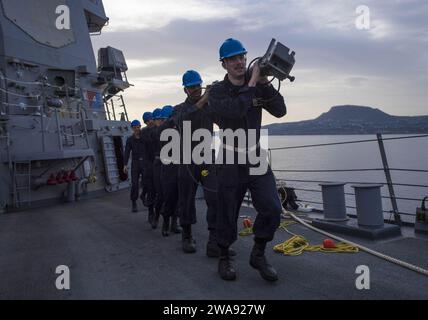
(191, 78)
(167, 112)
(147, 116)
(135, 123)
(231, 47)
(157, 114)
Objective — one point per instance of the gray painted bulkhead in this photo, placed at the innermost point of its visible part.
(52, 112)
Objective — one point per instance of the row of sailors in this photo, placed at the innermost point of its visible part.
(169, 190)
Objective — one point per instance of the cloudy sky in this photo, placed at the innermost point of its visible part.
(385, 66)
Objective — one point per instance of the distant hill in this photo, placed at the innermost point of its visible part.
(349, 119)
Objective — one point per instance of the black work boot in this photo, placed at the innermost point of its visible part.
(134, 206)
(165, 226)
(155, 220)
(144, 200)
(258, 261)
(213, 250)
(151, 215)
(175, 228)
(225, 268)
(189, 244)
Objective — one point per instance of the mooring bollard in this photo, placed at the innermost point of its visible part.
(368, 201)
(333, 198)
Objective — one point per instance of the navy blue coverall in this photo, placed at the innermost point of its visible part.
(190, 175)
(165, 177)
(149, 191)
(237, 107)
(135, 146)
(169, 178)
(156, 169)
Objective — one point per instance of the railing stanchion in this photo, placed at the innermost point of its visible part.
(388, 179)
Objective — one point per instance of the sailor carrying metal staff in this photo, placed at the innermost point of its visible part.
(237, 102)
(190, 175)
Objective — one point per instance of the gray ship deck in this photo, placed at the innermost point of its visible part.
(114, 254)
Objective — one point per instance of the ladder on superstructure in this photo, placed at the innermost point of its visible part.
(109, 103)
(21, 180)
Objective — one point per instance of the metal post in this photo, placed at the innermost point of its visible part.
(85, 130)
(388, 179)
(58, 130)
(29, 183)
(112, 107)
(14, 189)
(9, 155)
(4, 107)
(124, 108)
(42, 109)
(67, 99)
(107, 108)
(9, 158)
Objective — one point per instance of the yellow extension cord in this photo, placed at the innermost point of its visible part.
(246, 232)
(297, 244)
(284, 224)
